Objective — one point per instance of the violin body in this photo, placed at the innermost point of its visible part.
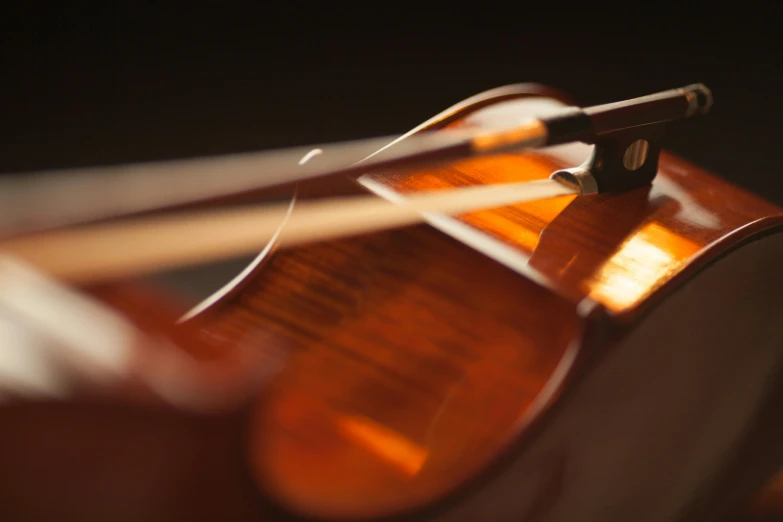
(606, 357)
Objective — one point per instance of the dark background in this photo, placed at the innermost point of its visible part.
(88, 85)
(122, 83)
(135, 82)
(131, 82)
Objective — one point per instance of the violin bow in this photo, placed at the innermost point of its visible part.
(625, 134)
(37, 201)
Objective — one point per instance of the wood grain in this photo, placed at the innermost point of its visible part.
(413, 363)
(614, 249)
(408, 361)
(554, 361)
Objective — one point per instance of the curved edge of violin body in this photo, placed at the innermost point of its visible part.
(602, 357)
(675, 417)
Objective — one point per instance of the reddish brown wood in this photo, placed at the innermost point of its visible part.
(770, 498)
(410, 362)
(412, 374)
(413, 363)
(582, 247)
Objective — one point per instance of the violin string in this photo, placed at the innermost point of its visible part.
(36, 201)
(121, 249)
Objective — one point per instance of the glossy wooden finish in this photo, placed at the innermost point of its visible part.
(409, 362)
(612, 250)
(555, 361)
(415, 362)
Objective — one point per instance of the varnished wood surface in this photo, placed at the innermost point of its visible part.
(410, 373)
(614, 250)
(408, 361)
(403, 376)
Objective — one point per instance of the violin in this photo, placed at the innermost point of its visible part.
(605, 349)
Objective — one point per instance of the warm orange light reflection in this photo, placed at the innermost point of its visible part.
(387, 444)
(520, 225)
(641, 264)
